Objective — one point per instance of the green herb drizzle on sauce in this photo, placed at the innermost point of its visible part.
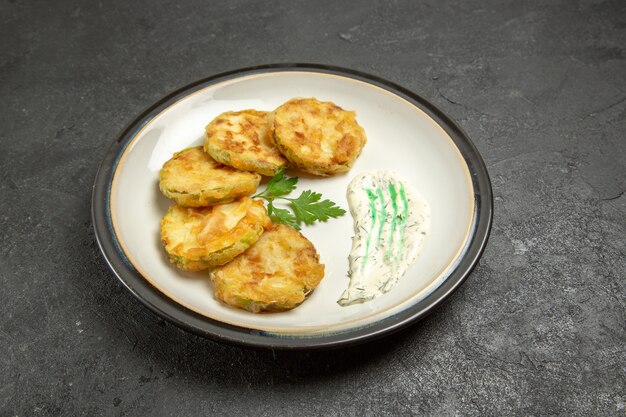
(372, 201)
(403, 217)
(397, 219)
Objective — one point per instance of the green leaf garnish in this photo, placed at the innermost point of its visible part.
(307, 208)
(278, 186)
(283, 216)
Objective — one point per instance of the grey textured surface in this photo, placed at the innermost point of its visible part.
(538, 328)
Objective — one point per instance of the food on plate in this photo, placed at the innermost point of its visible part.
(193, 179)
(305, 209)
(391, 224)
(275, 274)
(202, 238)
(318, 137)
(243, 139)
(257, 258)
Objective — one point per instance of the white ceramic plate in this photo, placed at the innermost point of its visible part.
(405, 134)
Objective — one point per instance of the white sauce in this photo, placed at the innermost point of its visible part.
(391, 224)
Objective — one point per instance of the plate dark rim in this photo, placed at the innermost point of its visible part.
(222, 332)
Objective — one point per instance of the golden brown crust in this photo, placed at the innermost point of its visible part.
(275, 274)
(202, 238)
(243, 139)
(193, 179)
(318, 137)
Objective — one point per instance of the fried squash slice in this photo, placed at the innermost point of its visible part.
(275, 274)
(243, 139)
(194, 179)
(201, 238)
(318, 137)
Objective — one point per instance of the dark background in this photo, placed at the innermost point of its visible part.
(537, 329)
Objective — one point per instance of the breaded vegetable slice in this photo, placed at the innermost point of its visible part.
(243, 139)
(202, 238)
(275, 274)
(193, 179)
(318, 137)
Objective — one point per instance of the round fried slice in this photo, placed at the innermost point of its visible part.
(318, 137)
(193, 179)
(202, 238)
(275, 274)
(243, 139)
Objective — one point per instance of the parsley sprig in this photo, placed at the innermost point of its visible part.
(307, 208)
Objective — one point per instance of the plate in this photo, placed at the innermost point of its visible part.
(405, 133)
